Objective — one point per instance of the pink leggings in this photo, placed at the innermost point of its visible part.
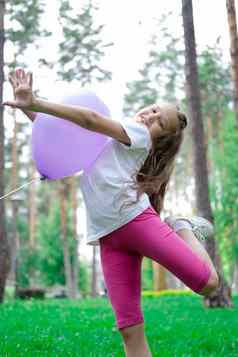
(122, 252)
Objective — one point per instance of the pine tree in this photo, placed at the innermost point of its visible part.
(82, 50)
(222, 295)
(4, 246)
(162, 74)
(24, 31)
(80, 58)
(231, 16)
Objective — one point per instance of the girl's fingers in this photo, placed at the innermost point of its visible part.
(24, 78)
(17, 72)
(19, 75)
(21, 79)
(30, 79)
(16, 77)
(10, 104)
(12, 80)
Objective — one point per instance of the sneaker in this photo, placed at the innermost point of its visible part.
(201, 227)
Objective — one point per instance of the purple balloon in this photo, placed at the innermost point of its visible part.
(61, 148)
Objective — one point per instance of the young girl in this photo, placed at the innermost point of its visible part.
(123, 193)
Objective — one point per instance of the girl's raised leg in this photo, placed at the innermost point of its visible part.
(191, 240)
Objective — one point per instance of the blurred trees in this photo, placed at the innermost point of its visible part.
(160, 79)
(85, 66)
(83, 39)
(222, 296)
(164, 69)
(224, 196)
(231, 16)
(82, 50)
(4, 245)
(26, 17)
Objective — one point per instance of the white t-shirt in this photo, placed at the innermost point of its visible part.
(108, 184)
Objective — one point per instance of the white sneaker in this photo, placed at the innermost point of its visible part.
(201, 227)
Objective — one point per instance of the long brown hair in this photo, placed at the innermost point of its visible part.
(154, 175)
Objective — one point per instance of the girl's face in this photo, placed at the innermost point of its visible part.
(160, 119)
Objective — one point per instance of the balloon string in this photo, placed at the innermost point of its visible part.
(26, 184)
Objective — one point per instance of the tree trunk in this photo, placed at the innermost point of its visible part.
(15, 247)
(32, 210)
(13, 240)
(155, 267)
(235, 277)
(75, 267)
(32, 214)
(222, 295)
(173, 282)
(159, 277)
(94, 273)
(67, 264)
(4, 247)
(162, 278)
(231, 15)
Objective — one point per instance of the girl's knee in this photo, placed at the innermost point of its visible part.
(211, 285)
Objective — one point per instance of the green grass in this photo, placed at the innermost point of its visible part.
(175, 327)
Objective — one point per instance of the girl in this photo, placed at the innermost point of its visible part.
(123, 193)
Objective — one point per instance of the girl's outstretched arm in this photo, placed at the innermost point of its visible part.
(78, 115)
(85, 118)
(24, 99)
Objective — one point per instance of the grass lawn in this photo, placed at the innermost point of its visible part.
(175, 326)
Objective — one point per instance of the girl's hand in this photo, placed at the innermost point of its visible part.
(22, 89)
